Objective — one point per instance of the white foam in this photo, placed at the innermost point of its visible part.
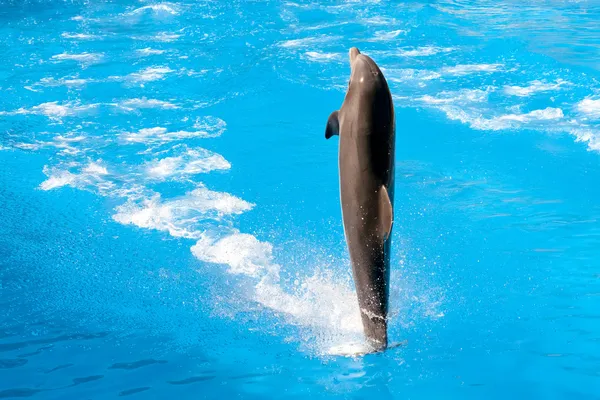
(79, 36)
(319, 302)
(133, 104)
(546, 114)
(584, 133)
(322, 305)
(465, 69)
(379, 20)
(71, 139)
(53, 109)
(534, 87)
(160, 9)
(57, 111)
(212, 126)
(149, 51)
(95, 169)
(74, 82)
(192, 162)
(548, 120)
(58, 179)
(350, 349)
(90, 175)
(424, 51)
(181, 216)
(303, 28)
(151, 214)
(242, 253)
(28, 146)
(205, 127)
(307, 41)
(589, 107)
(382, 36)
(67, 145)
(509, 121)
(461, 96)
(146, 135)
(321, 57)
(149, 74)
(84, 58)
(166, 37)
(409, 74)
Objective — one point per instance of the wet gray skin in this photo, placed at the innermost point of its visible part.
(366, 127)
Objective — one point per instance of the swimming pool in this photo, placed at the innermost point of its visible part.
(171, 222)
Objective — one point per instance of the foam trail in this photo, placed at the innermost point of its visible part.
(243, 253)
(162, 9)
(410, 75)
(462, 96)
(91, 175)
(589, 107)
(58, 179)
(321, 57)
(148, 74)
(324, 307)
(534, 87)
(183, 216)
(79, 36)
(384, 36)
(465, 69)
(84, 58)
(508, 121)
(74, 82)
(149, 51)
(133, 104)
(166, 37)
(55, 111)
(205, 127)
(425, 51)
(190, 163)
(307, 42)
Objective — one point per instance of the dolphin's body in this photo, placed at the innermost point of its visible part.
(366, 126)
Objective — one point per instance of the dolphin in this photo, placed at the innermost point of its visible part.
(367, 132)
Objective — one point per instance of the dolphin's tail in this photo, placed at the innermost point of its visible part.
(372, 289)
(372, 293)
(375, 328)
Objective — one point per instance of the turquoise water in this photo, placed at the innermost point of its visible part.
(170, 221)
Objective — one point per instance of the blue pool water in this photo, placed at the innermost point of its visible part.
(170, 220)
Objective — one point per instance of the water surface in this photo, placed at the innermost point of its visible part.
(171, 222)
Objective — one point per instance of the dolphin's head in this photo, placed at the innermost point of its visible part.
(354, 52)
(366, 82)
(364, 71)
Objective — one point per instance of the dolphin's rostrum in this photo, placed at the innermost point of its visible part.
(366, 127)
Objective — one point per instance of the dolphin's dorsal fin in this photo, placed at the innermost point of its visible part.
(386, 212)
(333, 125)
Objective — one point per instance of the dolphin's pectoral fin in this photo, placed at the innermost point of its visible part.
(387, 213)
(333, 125)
